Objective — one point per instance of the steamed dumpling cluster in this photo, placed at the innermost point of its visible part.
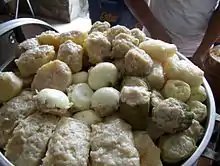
(97, 88)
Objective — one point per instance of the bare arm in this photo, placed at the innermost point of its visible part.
(212, 33)
(141, 11)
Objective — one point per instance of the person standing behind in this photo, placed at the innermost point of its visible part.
(193, 25)
(113, 11)
(218, 41)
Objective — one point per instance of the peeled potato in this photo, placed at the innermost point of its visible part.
(105, 101)
(55, 75)
(53, 101)
(89, 117)
(10, 86)
(80, 77)
(102, 75)
(80, 95)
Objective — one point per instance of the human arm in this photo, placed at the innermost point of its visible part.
(211, 35)
(141, 11)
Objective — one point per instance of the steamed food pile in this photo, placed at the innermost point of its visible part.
(109, 97)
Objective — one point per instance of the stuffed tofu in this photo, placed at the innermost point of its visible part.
(148, 151)
(12, 112)
(135, 105)
(69, 144)
(29, 139)
(112, 144)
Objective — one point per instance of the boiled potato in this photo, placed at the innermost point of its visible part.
(105, 101)
(26, 80)
(80, 77)
(88, 116)
(80, 95)
(31, 60)
(55, 75)
(14, 111)
(173, 58)
(10, 86)
(53, 101)
(102, 75)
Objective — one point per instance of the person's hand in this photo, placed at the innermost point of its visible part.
(198, 60)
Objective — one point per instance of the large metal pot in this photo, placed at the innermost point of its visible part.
(5, 28)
